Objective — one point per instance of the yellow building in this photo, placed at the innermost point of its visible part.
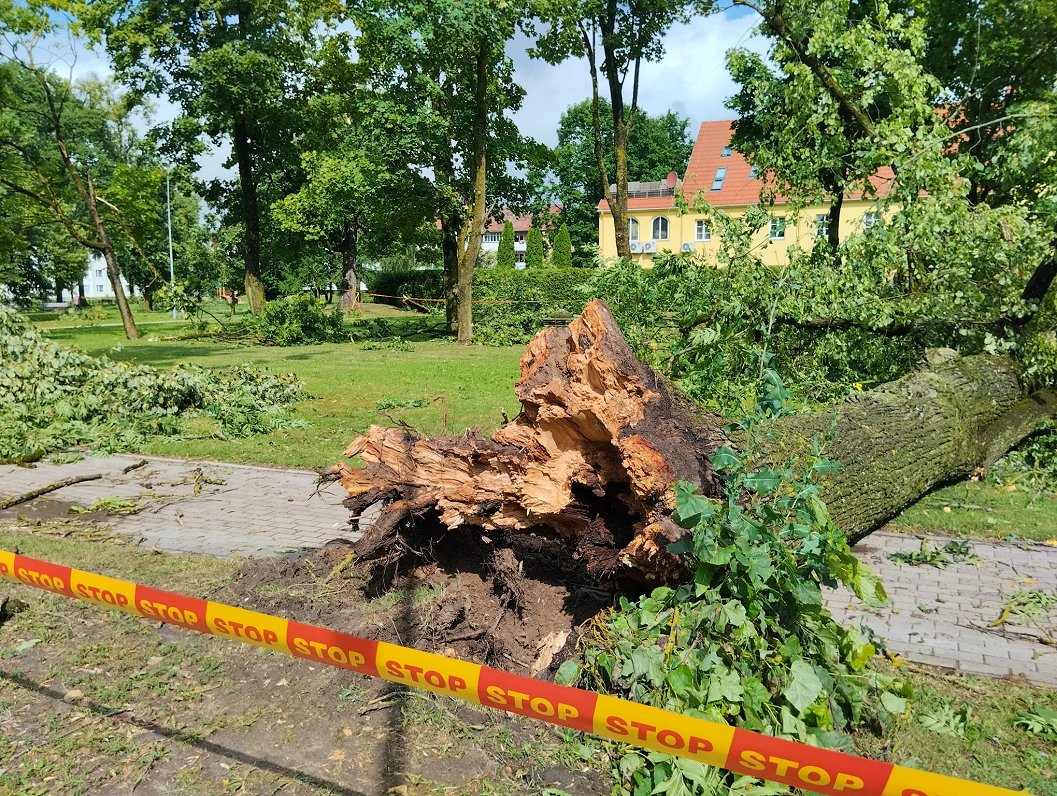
(722, 178)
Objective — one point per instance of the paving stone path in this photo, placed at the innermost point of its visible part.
(936, 616)
(240, 511)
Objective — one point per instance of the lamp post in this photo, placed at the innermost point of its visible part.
(168, 217)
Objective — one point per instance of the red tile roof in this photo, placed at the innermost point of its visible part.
(738, 188)
(521, 223)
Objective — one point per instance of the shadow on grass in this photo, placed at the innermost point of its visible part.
(185, 738)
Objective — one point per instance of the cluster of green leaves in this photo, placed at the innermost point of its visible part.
(1032, 465)
(299, 320)
(515, 303)
(747, 640)
(1040, 721)
(53, 398)
(953, 552)
(1034, 605)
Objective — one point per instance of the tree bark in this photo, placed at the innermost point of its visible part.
(350, 278)
(113, 272)
(601, 439)
(478, 200)
(899, 441)
(251, 218)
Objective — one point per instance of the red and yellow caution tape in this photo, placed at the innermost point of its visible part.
(796, 764)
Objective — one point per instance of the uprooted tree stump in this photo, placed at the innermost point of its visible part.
(601, 439)
(591, 458)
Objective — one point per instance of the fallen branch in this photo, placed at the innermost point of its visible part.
(24, 498)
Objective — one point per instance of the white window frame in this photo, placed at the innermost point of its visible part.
(871, 219)
(719, 179)
(778, 228)
(822, 226)
(659, 224)
(492, 237)
(702, 232)
(633, 230)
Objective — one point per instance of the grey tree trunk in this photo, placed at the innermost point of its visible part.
(898, 441)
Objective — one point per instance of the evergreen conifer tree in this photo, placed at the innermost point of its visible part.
(534, 249)
(562, 251)
(505, 256)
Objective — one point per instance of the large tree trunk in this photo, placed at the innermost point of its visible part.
(350, 278)
(897, 442)
(601, 439)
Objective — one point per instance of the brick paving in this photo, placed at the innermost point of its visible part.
(941, 616)
(251, 511)
(936, 616)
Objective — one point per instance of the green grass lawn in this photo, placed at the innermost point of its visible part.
(982, 511)
(463, 386)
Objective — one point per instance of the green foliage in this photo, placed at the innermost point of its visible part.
(1040, 721)
(421, 283)
(505, 257)
(53, 398)
(1034, 605)
(514, 303)
(748, 640)
(953, 552)
(534, 248)
(945, 719)
(299, 320)
(562, 249)
(1032, 465)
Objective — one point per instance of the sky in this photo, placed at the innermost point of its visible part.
(691, 79)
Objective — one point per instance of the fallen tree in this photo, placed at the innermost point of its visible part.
(601, 438)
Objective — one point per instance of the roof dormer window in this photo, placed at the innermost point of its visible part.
(726, 152)
(721, 175)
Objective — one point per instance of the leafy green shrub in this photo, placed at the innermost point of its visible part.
(52, 398)
(1032, 465)
(299, 320)
(748, 641)
(515, 303)
(422, 283)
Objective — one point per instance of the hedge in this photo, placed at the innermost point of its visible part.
(534, 294)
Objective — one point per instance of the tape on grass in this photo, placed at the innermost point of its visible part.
(796, 764)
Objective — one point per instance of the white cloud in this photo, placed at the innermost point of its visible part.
(691, 79)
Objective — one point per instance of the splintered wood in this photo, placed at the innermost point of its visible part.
(591, 457)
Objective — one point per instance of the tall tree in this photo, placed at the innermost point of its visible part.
(59, 152)
(505, 257)
(446, 61)
(562, 250)
(615, 38)
(232, 68)
(359, 192)
(657, 145)
(534, 248)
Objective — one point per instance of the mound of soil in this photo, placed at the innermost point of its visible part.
(516, 603)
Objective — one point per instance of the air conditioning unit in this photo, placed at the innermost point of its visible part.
(687, 247)
(636, 248)
(650, 247)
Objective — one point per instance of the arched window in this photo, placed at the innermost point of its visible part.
(633, 229)
(660, 228)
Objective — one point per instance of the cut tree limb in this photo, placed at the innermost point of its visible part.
(601, 439)
(26, 497)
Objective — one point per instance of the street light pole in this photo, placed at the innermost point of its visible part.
(168, 216)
